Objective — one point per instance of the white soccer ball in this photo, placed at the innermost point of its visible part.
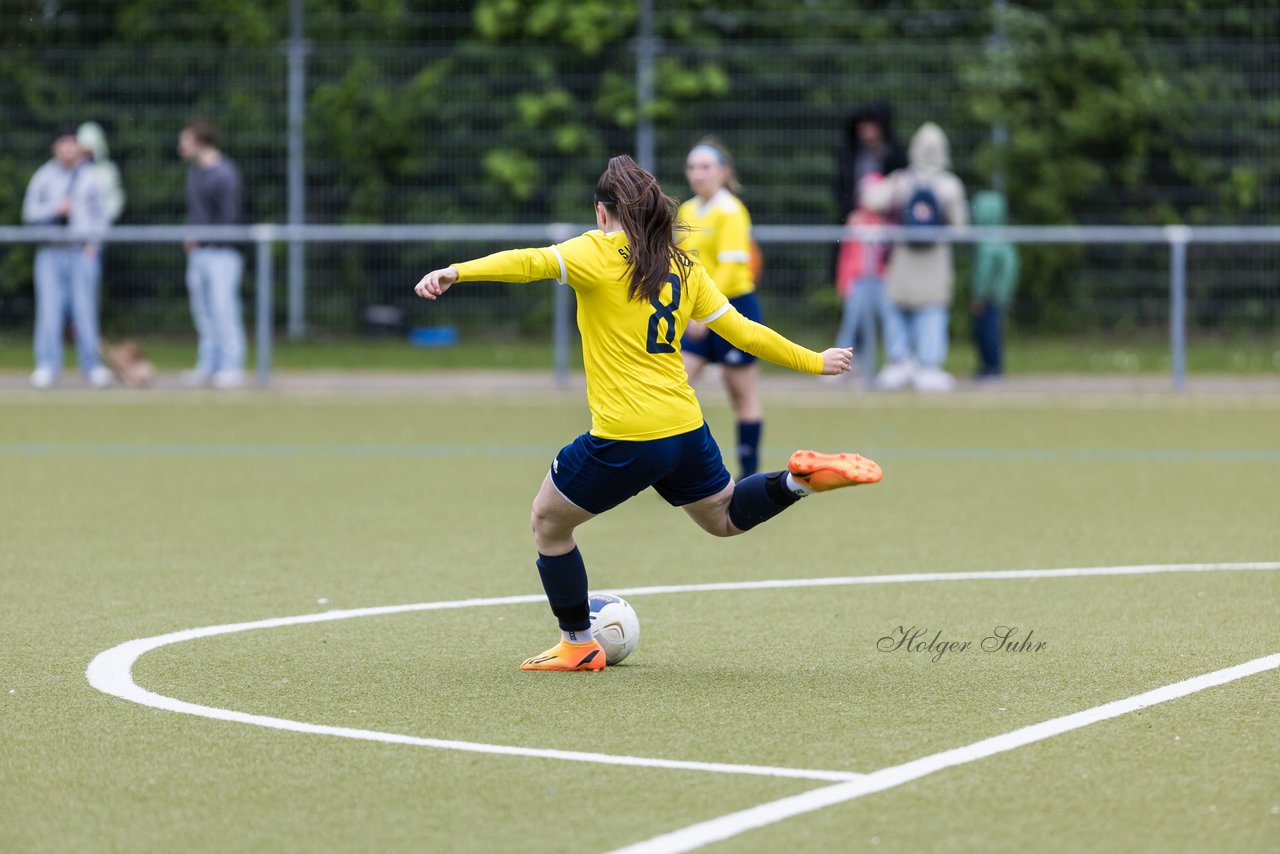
(615, 626)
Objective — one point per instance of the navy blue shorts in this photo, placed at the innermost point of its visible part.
(599, 474)
(715, 349)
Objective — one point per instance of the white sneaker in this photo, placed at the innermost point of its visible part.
(194, 379)
(228, 379)
(43, 378)
(895, 376)
(934, 380)
(100, 377)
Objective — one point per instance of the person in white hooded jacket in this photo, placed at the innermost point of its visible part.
(921, 274)
(93, 141)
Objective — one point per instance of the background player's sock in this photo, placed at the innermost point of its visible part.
(759, 498)
(749, 447)
(564, 578)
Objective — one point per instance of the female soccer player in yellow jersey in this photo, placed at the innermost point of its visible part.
(637, 291)
(720, 237)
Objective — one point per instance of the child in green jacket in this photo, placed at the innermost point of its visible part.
(995, 276)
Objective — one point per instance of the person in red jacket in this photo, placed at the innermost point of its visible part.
(860, 282)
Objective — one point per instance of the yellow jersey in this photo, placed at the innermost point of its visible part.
(637, 388)
(720, 237)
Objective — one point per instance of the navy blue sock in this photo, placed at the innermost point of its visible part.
(749, 447)
(759, 498)
(564, 577)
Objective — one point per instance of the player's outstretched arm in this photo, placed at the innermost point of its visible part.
(435, 283)
(513, 265)
(760, 340)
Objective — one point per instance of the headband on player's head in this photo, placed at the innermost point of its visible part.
(606, 200)
(719, 155)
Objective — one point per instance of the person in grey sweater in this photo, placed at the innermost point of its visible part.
(66, 191)
(214, 270)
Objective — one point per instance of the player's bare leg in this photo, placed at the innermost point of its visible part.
(564, 577)
(693, 365)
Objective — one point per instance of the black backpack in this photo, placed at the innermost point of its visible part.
(923, 209)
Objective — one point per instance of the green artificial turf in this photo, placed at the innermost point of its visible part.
(126, 517)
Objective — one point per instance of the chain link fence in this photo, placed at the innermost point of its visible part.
(431, 115)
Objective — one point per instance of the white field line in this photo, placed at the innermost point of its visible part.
(111, 671)
(724, 827)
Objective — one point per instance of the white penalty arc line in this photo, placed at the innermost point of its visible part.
(111, 671)
(724, 827)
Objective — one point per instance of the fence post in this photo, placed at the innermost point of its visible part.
(1178, 237)
(296, 50)
(646, 50)
(264, 236)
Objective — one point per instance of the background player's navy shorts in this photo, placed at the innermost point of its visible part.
(715, 349)
(599, 474)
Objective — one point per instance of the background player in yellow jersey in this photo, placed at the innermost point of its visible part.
(637, 291)
(720, 237)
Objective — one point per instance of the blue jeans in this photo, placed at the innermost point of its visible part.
(858, 323)
(66, 278)
(213, 282)
(915, 333)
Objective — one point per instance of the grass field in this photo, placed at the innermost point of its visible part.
(129, 516)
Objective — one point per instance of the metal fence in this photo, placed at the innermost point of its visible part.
(413, 114)
(521, 309)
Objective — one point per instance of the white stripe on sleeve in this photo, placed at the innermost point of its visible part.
(715, 314)
(740, 257)
(564, 275)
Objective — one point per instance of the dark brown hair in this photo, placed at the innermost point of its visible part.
(648, 217)
(202, 131)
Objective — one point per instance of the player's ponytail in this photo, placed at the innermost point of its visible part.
(648, 216)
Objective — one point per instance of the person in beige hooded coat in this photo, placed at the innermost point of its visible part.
(920, 277)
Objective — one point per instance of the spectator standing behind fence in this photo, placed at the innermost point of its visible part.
(860, 270)
(869, 146)
(65, 191)
(214, 269)
(995, 276)
(720, 236)
(920, 276)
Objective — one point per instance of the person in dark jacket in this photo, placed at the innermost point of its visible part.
(869, 146)
(214, 270)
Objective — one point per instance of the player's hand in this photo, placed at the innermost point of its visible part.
(436, 282)
(695, 330)
(836, 361)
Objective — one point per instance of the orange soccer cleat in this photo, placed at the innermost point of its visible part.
(568, 656)
(824, 472)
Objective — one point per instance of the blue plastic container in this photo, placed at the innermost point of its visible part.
(433, 336)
